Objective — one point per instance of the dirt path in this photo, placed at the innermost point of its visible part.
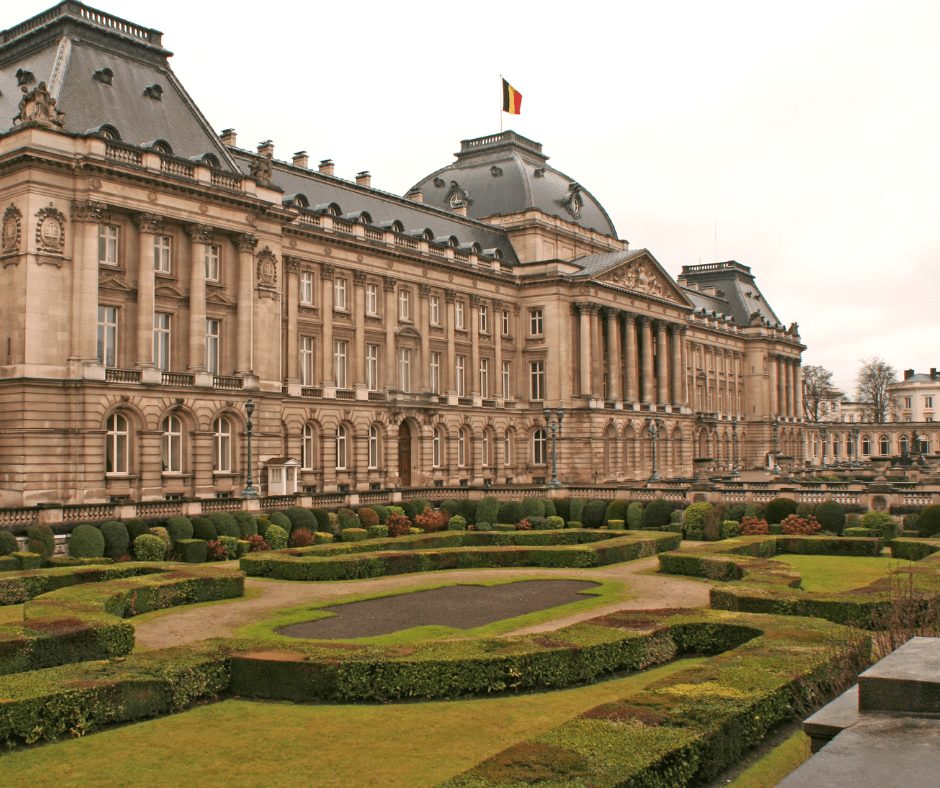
(221, 620)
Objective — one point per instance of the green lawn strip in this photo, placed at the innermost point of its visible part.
(245, 744)
(607, 592)
(775, 765)
(836, 573)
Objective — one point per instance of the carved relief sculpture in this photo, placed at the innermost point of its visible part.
(50, 230)
(267, 268)
(37, 106)
(639, 277)
(12, 219)
(260, 170)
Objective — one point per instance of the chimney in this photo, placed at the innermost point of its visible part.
(908, 374)
(416, 195)
(266, 149)
(461, 210)
(364, 179)
(301, 159)
(933, 373)
(228, 137)
(326, 166)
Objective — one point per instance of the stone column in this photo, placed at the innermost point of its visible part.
(148, 225)
(391, 321)
(613, 355)
(498, 348)
(781, 386)
(772, 386)
(474, 345)
(245, 243)
(200, 236)
(798, 390)
(646, 333)
(685, 389)
(633, 379)
(678, 370)
(790, 377)
(85, 280)
(357, 348)
(584, 309)
(292, 294)
(662, 364)
(424, 363)
(449, 382)
(326, 354)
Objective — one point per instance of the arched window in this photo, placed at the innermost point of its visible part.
(539, 448)
(507, 448)
(117, 449)
(461, 448)
(866, 445)
(485, 449)
(222, 439)
(437, 448)
(884, 445)
(373, 447)
(904, 444)
(835, 445)
(341, 448)
(307, 448)
(172, 445)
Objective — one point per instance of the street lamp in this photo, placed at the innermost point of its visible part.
(775, 470)
(855, 431)
(652, 427)
(554, 426)
(734, 447)
(249, 491)
(824, 430)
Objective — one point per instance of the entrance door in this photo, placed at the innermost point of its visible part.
(404, 454)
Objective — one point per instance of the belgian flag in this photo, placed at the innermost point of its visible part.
(512, 99)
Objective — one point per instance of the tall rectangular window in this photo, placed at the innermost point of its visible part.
(212, 263)
(404, 304)
(339, 293)
(107, 335)
(928, 402)
(506, 386)
(537, 380)
(161, 340)
(484, 319)
(372, 298)
(535, 321)
(461, 370)
(162, 249)
(505, 322)
(373, 447)
(108, 235)
(306, 287)
(306, 361)
(435, 309)
(459, 321)
(435, 373)
(340, 347)
(372, 367)
(484, 377)
(212, 345)
(404, 368)
(907, 402)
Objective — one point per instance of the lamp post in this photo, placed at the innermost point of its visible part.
(554, 426)
(734, 447)
(775, 471)
(652, 427)
(825, 439)
(249, 491)
(855, 431)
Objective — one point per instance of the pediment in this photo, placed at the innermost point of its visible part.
(408, 331)
(168, 291)
(645, 276)
(113, 283)
(219, 299)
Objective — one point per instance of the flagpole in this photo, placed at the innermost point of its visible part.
(500, 109)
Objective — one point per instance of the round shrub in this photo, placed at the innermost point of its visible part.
(281, 520)
(562, 508)
(246, 524)
(755, 510)
(86, 541)
(230, 543)
(831, 516)
(450, 506)
(752, 526)
(381, 511)
(368, 517)
(730, 529)
(538, 523)
(657, 513)
(593, 516)
(484, 526)
(377, 532)
(117, 540)
(179, 528)
(148, 547)
(635, 516)
(737, 512)
(929, 522)
(779, 509)
(533, 507)
(276, 537)
(554, 522)
(40, 539)
(410, 511)
(263, 525)
(676, 516)
(204, 529)
(226, 525)
(136, 527)
(488, 509)
(420, 505)
(348, 519)
(468, 510)
(695, 520)
(301, 518)
(805, 509)
(510, 512)
(8, 543)
(457, 523)
(616, 510)
(163, 535)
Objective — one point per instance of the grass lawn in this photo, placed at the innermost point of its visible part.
(246, 744)
(776, 765)
(834, 574)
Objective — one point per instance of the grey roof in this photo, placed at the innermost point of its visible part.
(593, 264)
(507, 174)
(66, 50)
(738, 294)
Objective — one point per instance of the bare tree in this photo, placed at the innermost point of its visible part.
(872, 388)
(819, 395)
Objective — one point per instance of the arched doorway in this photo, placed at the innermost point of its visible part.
(404, 454)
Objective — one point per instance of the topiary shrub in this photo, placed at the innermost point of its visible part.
(562, 508)
(230, 543)
(576, 509)
(148, 547)
(694, 520)
(192, 551)
(41, 540)
(246, 524)
(538, 523)
(163, 535)
(323, 518)
(333, 518)
(859, 533)
(226, 525)
(368, 517)
(574, 524)
(281, 520)
(910, 522)
(468, 510)
(778, 509)
(377, 531)
(805, 509)
(302, 537)
(616, 510)
(882, 524)
(554, 522)
(533, 507)
(928, 524)
(657, 514)
(276, 537)
(617, 525)
(354, 534)
(510, 512)
(116, 539)
(301, 518)
(635, 516)
(549, 505)
(730, 529)
(755, 510)
(420, 504)
(737, 512)
(179, 528)
(484, 526)
(831, 517)
(409, 510)
(348, 519)
(86, 541)
(205, 530)
(136, 527)
(263, 525)
(593, 516)
(488, 509)
(8, 543)
(450, 506)
(381, 511)
(457, 523)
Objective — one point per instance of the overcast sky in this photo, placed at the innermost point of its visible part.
(808, 131)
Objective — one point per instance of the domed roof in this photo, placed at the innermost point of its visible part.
(507, 174)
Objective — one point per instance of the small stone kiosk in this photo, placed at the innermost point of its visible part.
(885, 731)
(282, 475)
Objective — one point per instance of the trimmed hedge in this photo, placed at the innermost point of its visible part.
(635, 516)
(594, 514)
(148, 547)
(204, 529)
(40, 539)
(657, 513)
(192, 551)
(8, 543)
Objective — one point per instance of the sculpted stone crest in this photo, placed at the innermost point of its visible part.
(640, 277)
(50, 230)
(37, 106)
(267, 268)
(11, 229)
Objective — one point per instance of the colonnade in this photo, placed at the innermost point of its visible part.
(786, 387)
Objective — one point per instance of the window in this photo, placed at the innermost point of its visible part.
(108, 235)
(306, 287)
(212, 263)
(222, 439)
(339, 293)
(461, 376)
(435, 309)
(117, 448)
(435, 373)
(107, 335)
(539, 448)
(507, 448)
(373, 447)
(306, 361)
(404, 368)
(459, 315)
(907, 402)
(535, 321)
(505, 323)
(903, 445)
(404, 304)
(928, 402)
(340, 347)
(484, 377)
(461, 448)
(484, 319)
(172, 445)
(212, 346)
(485, 449)
(884, 446)
(866, 445)
(306, 448)
(537, 380)
(372, 367)
(341, 448)
(506, 379)
(161, 254)
(372, 298)
(161, 340)
(437, 453)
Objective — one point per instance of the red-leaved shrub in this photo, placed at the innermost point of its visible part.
(432, 521)
(794, 525)
(753, 526)
(398, 525)
(215, 551)
(368, 516)
(258, 544)
(302, 537)
(524, 525)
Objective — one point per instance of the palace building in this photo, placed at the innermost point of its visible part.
(157, 275)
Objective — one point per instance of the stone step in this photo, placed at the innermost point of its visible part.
(906, 681)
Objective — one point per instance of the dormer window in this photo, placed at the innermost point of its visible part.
(154, 92)
(106, 131)
(212, 160)
(104, 76)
